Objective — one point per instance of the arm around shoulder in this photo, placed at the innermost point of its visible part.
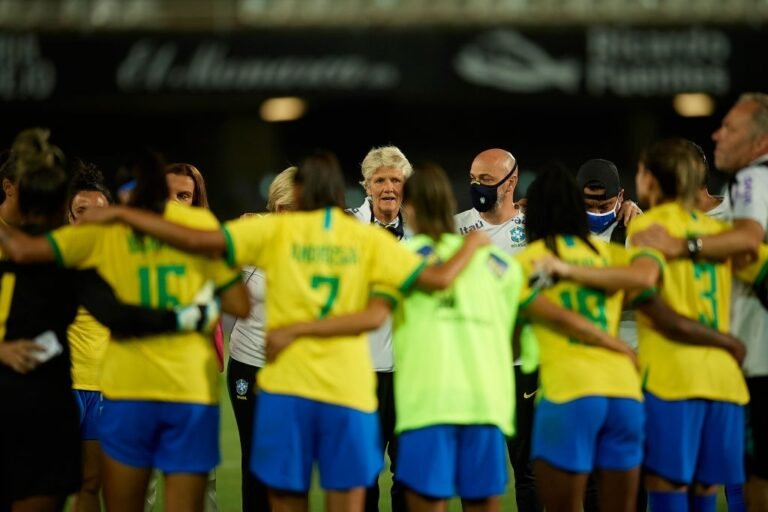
(440, 277)
(22, 248)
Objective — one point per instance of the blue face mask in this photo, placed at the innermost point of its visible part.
(599, 222)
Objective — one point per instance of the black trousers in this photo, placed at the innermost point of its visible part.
(385, 392)
(241, 381)
(519, 447)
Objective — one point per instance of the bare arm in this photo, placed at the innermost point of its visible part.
(209, 242)
(440, 277)
(235, 300)
(574, 325)
(345, 325)
(641, 274)
(745, 237)
(687, 331)
(22, 248)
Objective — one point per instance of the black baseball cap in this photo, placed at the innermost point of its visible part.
(599, 173)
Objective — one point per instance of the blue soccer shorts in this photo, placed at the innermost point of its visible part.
(698, 441)
(443, 461)
(292, 433)
(170, 436)
(589, 433)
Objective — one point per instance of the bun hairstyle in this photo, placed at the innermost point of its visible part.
(30, 149)
(38, 168)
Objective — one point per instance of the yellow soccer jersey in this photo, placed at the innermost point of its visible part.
(317, 264)
(88, 342)
(700, 290)
(757, 271)
(571, 369)
(177, 367)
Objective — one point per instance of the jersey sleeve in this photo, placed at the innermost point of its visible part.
(528, 289)
(222, 274)
(388, 293)
(249, 240)
(76, 246)
(749, 197)
(756, 272)
(636, 226)
(618, 255)
(391, 264)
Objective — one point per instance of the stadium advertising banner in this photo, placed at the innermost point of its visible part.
(433, 64)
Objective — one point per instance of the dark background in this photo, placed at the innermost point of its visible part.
(430, 113)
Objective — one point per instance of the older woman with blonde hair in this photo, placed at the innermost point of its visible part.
(247, 355)
(384, 171)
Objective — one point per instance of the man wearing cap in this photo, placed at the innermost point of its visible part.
(603, 197)
(493, 177)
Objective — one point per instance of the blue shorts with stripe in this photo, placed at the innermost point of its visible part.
(89, 403)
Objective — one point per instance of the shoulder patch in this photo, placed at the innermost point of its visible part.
(497, 265)
(425, 250)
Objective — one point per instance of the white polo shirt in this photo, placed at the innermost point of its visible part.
(379, 340)
(748, 199)
(508, 236)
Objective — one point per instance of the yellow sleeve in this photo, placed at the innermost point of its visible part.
(190, 216)
(756, 272)
(75, 246)
(636, 226)
(248, 240)
(391, 264)
(390, 294)
(647, 252)
(222, 274)
(618, 255)
(525, 258)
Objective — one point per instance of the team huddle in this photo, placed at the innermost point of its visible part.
(609, 354)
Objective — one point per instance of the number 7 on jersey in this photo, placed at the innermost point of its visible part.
(333, 289)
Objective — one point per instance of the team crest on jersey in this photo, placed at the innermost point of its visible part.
(517, 234)
(241, 387)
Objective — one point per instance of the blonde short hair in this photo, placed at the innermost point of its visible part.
(281, 190)
(384, 156)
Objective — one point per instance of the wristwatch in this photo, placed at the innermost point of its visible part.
(694, 247)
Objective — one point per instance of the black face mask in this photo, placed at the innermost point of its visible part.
(484, 197)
